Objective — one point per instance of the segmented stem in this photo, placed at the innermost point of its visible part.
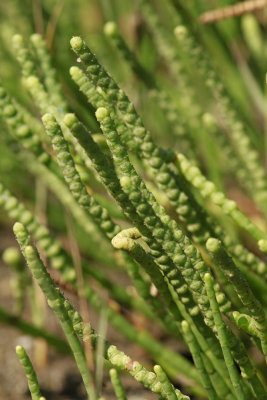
(117, 385)
(55, 301)
(30, 373)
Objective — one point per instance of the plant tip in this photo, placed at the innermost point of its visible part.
(69, 119)
(36, 38)
(19, 349)
(11, 256)
(208, 120)
(73, 70)
(17, 39)
(18, 227)
(76, 43)
(110, 28)
(180, 31)
(262, 243)
(157, 369)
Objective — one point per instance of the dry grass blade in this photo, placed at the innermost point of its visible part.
(232, 11)
(52, 24)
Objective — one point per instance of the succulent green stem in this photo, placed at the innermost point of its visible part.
(54, 299)
(117, 385)
(234, 376)
(30, 373)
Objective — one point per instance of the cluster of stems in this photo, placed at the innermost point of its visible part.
(119, 204)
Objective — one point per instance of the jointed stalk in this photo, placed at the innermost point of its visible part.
(30, 373)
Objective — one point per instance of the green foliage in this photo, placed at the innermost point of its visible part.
(145, 173)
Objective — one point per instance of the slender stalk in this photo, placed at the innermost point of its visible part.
(30, 373)
(117, 385)
(234, 376)
(196, 354)
(55, 302)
